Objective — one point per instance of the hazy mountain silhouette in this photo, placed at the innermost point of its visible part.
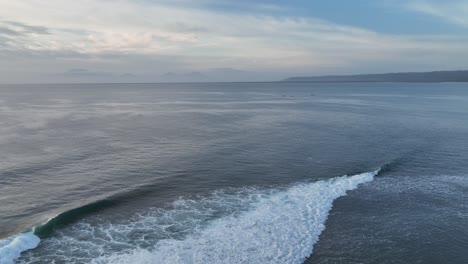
(435, 76)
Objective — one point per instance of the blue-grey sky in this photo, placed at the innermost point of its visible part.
(226, 40)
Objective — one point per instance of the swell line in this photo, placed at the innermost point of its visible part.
(289, 222)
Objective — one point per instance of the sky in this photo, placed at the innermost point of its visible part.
(226, 40)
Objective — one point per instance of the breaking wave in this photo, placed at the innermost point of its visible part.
(12, 247)
(281, 228)
(244, 226)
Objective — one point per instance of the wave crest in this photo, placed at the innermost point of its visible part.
(280, 228)
(245, 226)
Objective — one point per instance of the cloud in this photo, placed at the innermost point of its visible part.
(13, 33)
(8, 31)
(147, 37)
(15, 28)
(26, 29)
(454, 11)
(186, 28)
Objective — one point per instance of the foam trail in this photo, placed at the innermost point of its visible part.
(12, 247)
(281, 227)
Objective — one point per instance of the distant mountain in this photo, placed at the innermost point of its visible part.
(215, 75)
(183, 77)
(435, 76)
(230, 74)
(84, 73)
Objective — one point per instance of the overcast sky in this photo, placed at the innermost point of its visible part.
(221, 40)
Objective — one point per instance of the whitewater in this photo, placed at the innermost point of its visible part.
(274, 226)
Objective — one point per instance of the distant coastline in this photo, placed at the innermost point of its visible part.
(427, 77)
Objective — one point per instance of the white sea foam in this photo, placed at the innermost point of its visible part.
(281, 227)
(247, 225)
(11, 248)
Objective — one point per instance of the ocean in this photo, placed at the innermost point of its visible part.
(234, 173)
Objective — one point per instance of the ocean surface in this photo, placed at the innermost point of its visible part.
(234, 173)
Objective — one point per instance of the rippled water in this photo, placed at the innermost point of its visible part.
(233, 173)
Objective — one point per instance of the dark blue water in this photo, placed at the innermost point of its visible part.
(234, 173)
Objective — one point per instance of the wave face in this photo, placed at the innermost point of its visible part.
(244, 226)
(280, 228)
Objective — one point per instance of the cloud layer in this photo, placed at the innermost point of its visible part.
(452, 11)
(148, 39)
